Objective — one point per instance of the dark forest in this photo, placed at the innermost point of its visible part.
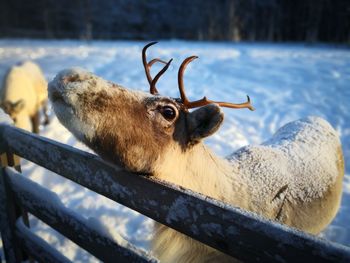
(233, 20)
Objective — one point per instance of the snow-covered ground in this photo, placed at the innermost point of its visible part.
(285, 82)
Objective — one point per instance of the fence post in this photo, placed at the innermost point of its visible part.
(9, 210)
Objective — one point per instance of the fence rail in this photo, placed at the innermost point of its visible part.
(36, 247)
(44, 205)
(235, 232)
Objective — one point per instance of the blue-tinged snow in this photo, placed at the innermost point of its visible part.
(285, 82)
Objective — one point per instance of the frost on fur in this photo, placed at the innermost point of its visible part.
(24, 94)
(295, 177)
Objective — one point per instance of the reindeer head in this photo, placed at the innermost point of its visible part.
(133, 128)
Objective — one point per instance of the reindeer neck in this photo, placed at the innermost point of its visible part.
(200, 170)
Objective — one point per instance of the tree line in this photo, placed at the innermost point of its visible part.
(233, 20)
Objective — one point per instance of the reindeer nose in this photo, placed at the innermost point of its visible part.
(71, 78)
(67, 83)
(65, 80)
(72, 75)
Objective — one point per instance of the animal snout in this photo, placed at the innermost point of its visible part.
(71, 78)
(72, 75)
(67, 80)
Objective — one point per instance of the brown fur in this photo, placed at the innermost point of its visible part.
(116, 139)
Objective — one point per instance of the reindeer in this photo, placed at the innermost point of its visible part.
(294, 178)
(24, 95)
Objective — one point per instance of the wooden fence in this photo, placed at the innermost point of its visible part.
(235, 232)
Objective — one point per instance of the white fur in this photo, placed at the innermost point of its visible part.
(25, 82)
(305, 155)
(69, 92)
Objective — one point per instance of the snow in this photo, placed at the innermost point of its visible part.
(33, 239)
(285, 82)
(5, 118)
(302, 155)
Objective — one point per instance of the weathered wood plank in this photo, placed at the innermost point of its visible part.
(231, 230)
(9, 211)
(47, 206)
(7, 223)
(37, 247)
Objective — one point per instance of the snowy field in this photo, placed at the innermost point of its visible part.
(285, 83)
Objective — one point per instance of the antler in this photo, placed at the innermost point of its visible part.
(185, 101)
(204, 101)
(148, 65)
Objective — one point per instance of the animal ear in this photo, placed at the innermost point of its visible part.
(18, 106)
(204, 121)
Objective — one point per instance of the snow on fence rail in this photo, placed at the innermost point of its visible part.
(238, 233)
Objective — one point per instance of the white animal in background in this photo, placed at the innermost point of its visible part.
(24, 94)
(294, 178)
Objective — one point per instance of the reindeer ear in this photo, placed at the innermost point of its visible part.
(18, 106)
(204, 121)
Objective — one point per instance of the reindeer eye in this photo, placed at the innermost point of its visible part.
(168, 112)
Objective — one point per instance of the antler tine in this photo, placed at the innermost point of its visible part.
(148, 65)
(246, 104)
(144, 61)
(154, 61)
(204, 101)
(153, 88)
(182, 68)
